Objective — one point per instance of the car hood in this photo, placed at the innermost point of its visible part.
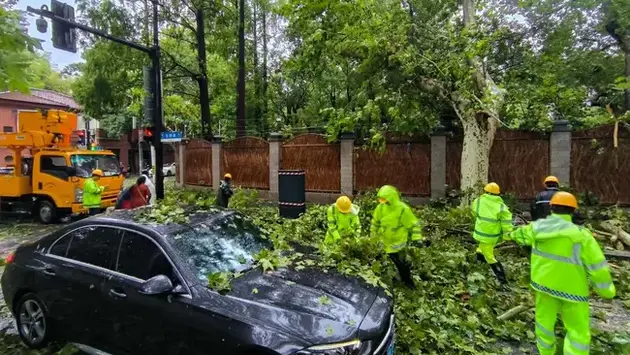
(315, 306)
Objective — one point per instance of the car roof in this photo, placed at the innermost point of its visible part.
(131, 218)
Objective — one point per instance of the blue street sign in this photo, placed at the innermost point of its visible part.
(168, 137)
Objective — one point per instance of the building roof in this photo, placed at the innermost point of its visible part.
(42, 99)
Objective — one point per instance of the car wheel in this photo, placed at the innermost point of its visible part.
(32, 322)
(46, 212)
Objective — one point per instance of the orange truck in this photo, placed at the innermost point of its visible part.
(48, 181)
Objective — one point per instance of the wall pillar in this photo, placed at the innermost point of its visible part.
(560, 152)
(347, 164)
(181, 163)
(217, 145)
(275, 154)
(438, 163)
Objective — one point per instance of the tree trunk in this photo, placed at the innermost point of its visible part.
(257, 119)
(240, 90)
(479, 134)
(627, 74)
(202, 80)
(480, 125)
(264, 63)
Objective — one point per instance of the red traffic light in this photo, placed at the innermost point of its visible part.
(148, 132)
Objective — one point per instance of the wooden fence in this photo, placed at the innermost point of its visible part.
(198, 163)
(597, 166)
(518, 163)
(318, 158)
(404, 165)
(247, 159)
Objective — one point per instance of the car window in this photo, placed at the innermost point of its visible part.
(55, 166)
(224, 244)
(92, 245)
(60, 248)
(141, 258)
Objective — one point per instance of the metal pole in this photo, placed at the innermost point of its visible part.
(157, 115)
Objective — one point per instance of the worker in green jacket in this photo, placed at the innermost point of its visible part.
(92, 192)
(565, 257)
(493, 221)
(343, 220)
(393, 222)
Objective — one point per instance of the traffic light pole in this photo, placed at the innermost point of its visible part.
(154, 53)
(157, 115)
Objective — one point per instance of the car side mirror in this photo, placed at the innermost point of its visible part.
(156, 285)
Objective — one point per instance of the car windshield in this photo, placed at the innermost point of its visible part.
(85, 163)
(225, 244)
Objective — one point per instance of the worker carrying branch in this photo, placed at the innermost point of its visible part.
(343, 220)
(493, 221)
(393, 222)
(565, 257)
(540, 207)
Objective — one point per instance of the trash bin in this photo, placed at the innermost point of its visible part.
(292, 193)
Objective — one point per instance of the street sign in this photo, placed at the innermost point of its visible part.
(170, 137)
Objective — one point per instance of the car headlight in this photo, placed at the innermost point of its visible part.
(354, 347)
(78, 195)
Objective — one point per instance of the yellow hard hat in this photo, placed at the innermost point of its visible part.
(492, 188)
(552, 178)
(344, 205)
(97, 172)
(564, 199)
(227, 176)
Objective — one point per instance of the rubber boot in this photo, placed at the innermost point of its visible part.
(499, 272)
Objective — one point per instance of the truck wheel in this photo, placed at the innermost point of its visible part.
(46, 212)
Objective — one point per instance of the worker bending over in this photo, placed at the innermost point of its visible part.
(343, 220)
(540, 208)
(493, 221)
(393, 222)
(565, 257)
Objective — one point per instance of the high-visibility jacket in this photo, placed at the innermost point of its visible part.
(92, 193)
(342, 224)
(493, 218)
(393, 222)
(540, 207)
(564, 257)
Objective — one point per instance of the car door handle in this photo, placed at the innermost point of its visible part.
(49, 271)
(117, 294)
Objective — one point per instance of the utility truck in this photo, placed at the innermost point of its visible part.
(46, 174)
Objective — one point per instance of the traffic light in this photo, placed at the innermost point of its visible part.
(149, 88)
(64, 36)
(147, 133)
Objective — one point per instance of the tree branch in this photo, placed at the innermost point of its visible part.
(177, 64)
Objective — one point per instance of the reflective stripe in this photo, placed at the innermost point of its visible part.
(397, 246)
(603, 285)
(558, 294)
(544, 201)
(598, 266)
(574, 259)
(486, 219)
(544, 330)
(551, 225)
(544, 344)
(487, 235)
(579, 346)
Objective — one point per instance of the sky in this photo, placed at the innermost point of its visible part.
(58, 57)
